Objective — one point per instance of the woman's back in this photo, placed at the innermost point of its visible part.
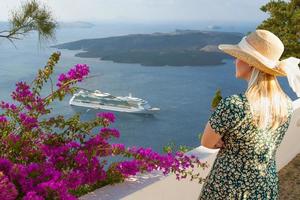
(245, 166)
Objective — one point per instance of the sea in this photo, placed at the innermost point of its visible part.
(183, 94)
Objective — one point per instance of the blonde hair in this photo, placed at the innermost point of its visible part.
(268, 102)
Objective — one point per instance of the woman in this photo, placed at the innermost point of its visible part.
(248, 127)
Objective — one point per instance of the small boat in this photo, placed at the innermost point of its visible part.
(103, 100)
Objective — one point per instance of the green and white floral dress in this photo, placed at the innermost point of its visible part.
(245, 166)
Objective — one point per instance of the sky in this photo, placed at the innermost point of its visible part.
(157, 11)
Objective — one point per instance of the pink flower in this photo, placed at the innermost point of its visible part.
(8, 190)
(78, 72)
(22, 92)
(128, 168)
(107, 132)
(8, 106)
(5, 166)
(32, 195)
(107, 115)
(27, 121)
(118, 147)
(3, 121)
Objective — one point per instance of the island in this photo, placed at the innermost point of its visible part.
(178, 48)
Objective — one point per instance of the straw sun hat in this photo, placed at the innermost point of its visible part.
(262, 49)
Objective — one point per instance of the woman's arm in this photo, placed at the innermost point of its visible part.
(210, 139)
(219, 144)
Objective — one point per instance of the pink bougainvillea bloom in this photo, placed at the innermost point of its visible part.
(107, 115)
(8, 190)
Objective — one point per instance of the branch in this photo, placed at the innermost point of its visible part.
(31, 17)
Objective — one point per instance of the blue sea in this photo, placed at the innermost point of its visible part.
(183, 94)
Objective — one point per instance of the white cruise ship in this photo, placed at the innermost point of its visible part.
(102, 100)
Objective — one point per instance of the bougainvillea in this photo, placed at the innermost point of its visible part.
(78, 72)
(58, 158)
(8, 190)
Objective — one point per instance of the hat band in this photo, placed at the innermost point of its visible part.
(244, 45)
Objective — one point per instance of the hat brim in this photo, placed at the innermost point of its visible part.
(237, 52)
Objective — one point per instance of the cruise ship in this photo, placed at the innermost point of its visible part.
(103, 100)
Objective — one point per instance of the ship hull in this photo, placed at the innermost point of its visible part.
(110, 108)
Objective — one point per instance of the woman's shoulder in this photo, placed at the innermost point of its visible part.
(234, 100)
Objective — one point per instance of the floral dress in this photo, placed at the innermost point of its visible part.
(245, 166)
